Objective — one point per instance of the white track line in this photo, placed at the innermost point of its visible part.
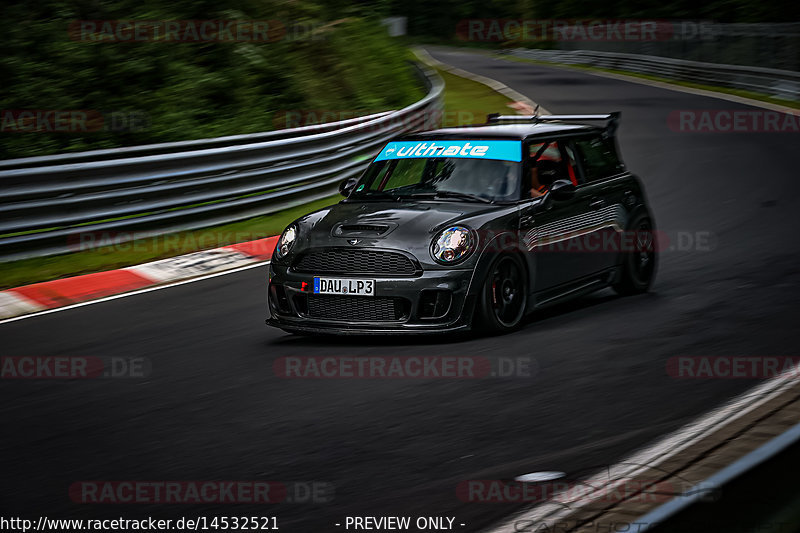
(133, 293)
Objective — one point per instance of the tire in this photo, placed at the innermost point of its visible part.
(639, 264)
(504, 296)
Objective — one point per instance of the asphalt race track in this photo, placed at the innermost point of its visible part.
(212, 407)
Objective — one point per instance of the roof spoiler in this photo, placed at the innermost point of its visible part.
(611, 119)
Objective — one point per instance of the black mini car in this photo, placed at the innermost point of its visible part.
(468, 227)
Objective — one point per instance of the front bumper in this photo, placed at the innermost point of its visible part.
(289, 307)
(315, 328)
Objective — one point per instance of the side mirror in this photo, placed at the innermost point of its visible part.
(562, 189)
(347, 186)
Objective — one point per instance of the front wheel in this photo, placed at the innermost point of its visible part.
(639, 263)
(504, 296)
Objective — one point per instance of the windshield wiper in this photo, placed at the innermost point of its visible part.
(452, 194)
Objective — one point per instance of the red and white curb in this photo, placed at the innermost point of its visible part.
(77, 289)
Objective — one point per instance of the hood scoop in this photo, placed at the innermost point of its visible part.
(363, 229)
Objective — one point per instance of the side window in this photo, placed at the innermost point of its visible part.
(548, 153)
(599, 158)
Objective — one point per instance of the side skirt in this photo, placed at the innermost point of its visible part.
(574, 289)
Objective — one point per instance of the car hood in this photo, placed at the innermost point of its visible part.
(407, 226)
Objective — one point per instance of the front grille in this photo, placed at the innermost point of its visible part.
(345, 261)
(356, 308)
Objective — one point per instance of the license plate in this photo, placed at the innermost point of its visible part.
(352, 287)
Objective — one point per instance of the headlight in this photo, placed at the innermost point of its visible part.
(286, 242)
(453, 245)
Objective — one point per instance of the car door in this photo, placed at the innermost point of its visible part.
(604, 184)
(550, 228)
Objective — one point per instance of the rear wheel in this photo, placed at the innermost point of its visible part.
(504, 296)
(638, 264)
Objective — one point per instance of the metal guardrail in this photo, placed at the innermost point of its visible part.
(775, 82)
(49, 203)
(772, 45)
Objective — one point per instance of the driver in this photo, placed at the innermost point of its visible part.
(544, 172)
(545, 160)
(537, 189)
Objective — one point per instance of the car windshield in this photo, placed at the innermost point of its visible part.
(481, 171)
(443, 177)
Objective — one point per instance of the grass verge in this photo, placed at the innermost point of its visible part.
(465, 102)
(468, 102)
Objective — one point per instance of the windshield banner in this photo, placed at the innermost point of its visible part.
(475, 149)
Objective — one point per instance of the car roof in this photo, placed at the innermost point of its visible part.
(517, 131)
